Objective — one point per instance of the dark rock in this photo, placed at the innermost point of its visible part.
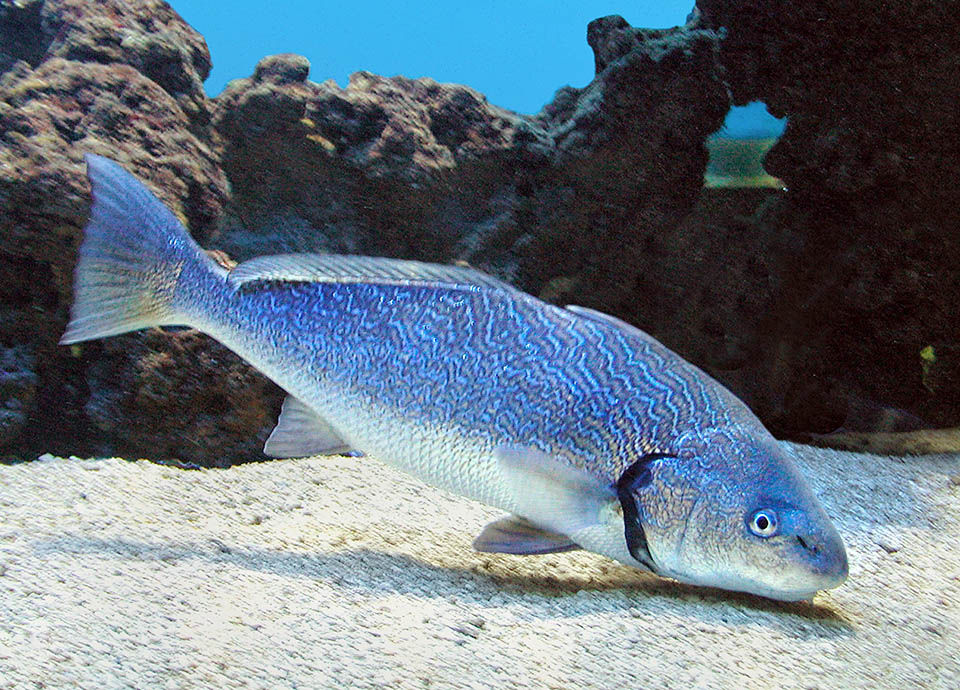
(366, 169)
(179, 395)
(842, 289)
(629, 165)
(413, 168)
(51, 115)
(286, 68)
(71, 83)
(18, 383)
(870, 157)
(112, 78)
(148, 35)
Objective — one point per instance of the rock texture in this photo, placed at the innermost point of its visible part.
(112, 78)
(837, 296)
(179, 395)
(414, 168)
(867, 268)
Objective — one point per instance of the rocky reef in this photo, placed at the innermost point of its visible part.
(866, 312)
(812, 304)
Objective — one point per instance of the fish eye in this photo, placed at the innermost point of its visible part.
(763, 523)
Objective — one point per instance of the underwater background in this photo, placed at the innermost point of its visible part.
(814, 274)
(768, 188)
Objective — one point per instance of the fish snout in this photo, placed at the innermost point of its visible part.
(826, 557)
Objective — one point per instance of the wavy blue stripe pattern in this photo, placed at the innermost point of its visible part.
(492, 362)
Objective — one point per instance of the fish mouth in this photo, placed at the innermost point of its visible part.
(825, 559)
(803, 591)
(812, 565)
(822, 565)
(804, 594)
(798, 595)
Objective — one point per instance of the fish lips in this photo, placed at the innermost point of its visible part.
(814, 550)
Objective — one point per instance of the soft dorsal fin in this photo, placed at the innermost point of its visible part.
(300, 433)
(337, 268)
(518, 536)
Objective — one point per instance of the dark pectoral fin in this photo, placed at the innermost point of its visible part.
(519, 536)
(635, 478)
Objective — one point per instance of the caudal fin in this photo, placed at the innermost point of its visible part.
(131, 257)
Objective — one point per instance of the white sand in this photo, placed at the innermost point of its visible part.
(341, 573)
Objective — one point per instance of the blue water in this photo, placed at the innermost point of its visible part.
(516, 53)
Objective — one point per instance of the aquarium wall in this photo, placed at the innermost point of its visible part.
(826, 296)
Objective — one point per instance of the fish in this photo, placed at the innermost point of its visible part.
(588, 432)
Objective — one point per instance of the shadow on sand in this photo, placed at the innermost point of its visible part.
(490, 582)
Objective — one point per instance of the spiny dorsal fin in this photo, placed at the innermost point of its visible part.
(518, 536)
(300, 433)
(338, 268)
(619, 324)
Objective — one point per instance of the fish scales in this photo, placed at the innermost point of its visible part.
(589, 432)
(490, 364)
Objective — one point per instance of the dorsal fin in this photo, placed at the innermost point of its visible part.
(619, 324)
(338, 268)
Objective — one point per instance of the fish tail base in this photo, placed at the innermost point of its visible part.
(129, 263)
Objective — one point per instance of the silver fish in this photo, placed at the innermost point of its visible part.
(589, 432)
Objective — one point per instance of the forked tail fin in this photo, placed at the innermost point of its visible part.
(133, 252)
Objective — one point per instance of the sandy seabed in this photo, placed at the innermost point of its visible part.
(342, 573)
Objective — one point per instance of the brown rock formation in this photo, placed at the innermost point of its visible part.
(415, 168)
(110, 78)
(800, 302)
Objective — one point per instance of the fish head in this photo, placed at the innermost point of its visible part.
(737, 515)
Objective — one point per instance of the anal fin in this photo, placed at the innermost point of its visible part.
(301, 432)
(516, 535)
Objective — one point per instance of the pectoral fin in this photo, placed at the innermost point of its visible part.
(551, 492)
(519, 536)
(300, 433)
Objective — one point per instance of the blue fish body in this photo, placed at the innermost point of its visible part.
(590, 433)
(492, 363)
